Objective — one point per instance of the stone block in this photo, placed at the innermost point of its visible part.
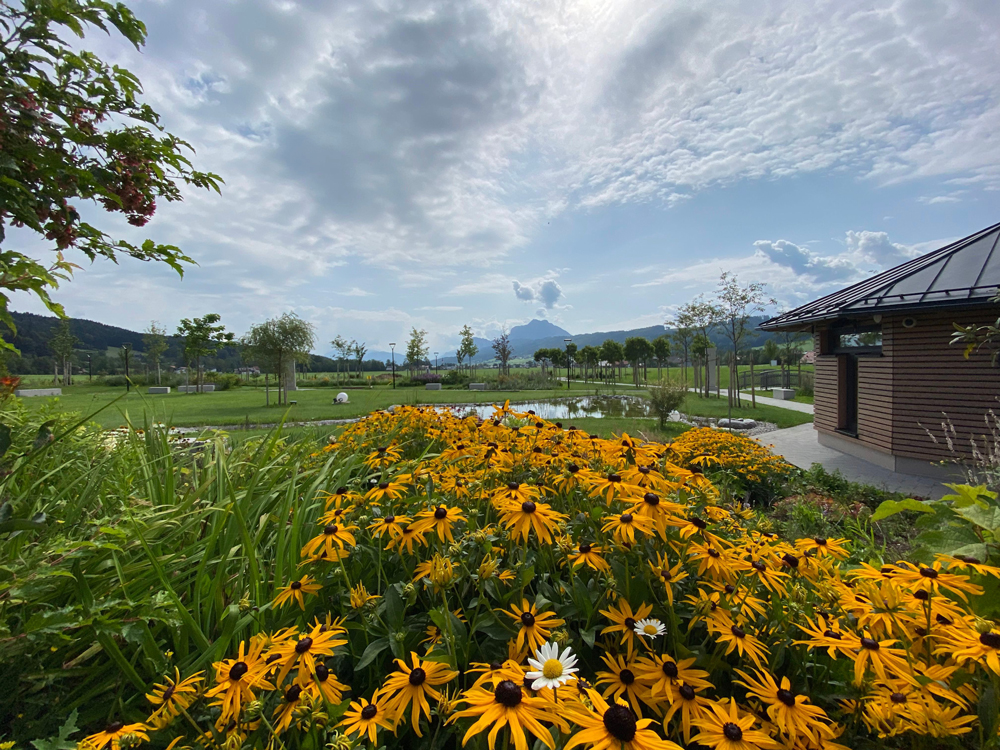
(31, 392)
(432, 387)
(206, 388)
(785, 394)
(158, 390)
(477, 386)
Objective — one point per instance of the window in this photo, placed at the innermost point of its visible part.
(856, 340)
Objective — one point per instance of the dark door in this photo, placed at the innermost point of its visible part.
(850, 391)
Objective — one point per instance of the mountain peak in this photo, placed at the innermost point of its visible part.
(536, 329)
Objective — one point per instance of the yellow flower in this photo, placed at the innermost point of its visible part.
(294, 592)
(410, 687)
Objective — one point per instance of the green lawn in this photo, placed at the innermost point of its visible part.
(719, 408)
(246, 405)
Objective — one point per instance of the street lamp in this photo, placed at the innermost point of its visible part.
(90, 369)
(127, 349)
(568, 342)
(393, 347)
(435, 362)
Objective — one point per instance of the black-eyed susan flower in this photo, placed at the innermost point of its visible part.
(172, 696)
(522, 518)
(409, 535)
(611, 486)
(622, 680)
(320, 641)
(534, 627)
(668, 575)
(970, 646)
(296, 592)
(287, 710)
(823, 547)
(612, 726)
(325, 685)
(516, 493)
(737, 639)
(111, 736)
(722, 727)
(409, 687)
(623, 620)
(791, 712)
(364, 719)
(589, 555)
(439, 570)
(360, 596)
(664, 675)
(331, 542)
(625, 525)
(237, 679)
(383, 456)
(439, 519)
(391, 526)
(691, 706)
(385, 491)
(507, 706)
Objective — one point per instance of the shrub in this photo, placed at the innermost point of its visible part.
(455, 377)
(806, 381)
(666, 396)
(223, 381)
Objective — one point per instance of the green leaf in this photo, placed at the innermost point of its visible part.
(589, 635)
(62, 742)
(985, 518)
(966, 495)
(5, 439)
(892, 507)
(375, 648)
(44, 435)
(989, 711)
(395, 608)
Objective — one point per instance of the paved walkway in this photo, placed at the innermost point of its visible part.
(800, 446)
(768, 401)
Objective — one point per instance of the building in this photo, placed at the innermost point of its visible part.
(887, 377)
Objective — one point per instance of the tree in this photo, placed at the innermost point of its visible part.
(613, 353)
(770, 351)
(590, 355)
(154, 342)
(340, 345)
(359, 354)
(75, 130)
(278, 342)
(661, 350)
(62, 344)
(637, 350)
(683, 333)
(541, 356)
(416, 349)
(701, 317)
(202, 338)
(503, 350)
(571, 350)
(468, 347)
(737, 303)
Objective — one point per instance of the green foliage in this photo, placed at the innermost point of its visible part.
(74, 129)
(666, 396)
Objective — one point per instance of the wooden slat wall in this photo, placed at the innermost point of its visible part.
(932, 382)
(825, 389)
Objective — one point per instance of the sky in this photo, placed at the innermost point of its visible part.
(436, 163)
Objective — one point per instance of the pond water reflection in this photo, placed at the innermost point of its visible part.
(571, 408)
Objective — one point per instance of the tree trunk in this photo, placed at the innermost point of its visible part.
(753, 387)
(158, 372)
(267, 391)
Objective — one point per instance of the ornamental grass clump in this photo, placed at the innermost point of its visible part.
(430, 581)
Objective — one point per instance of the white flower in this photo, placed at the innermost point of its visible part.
(649, 628)
(551, 668)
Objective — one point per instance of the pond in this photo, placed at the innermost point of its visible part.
(572, 408)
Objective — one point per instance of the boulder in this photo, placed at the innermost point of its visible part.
(738, 424)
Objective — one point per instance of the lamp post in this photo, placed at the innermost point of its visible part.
(90, 369)
(127, 349)
(393, 347)
(436, 362)
(567, 341)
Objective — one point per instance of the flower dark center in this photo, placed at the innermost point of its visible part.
(573, 468)
(495, 665)
(237, 671)
(614, 478)
(341, 490)
(585, 548)
(820, 541)
(670, 669)
(928, 573)
(322, 673)
(390, 519)
(712, 552)
(528, 507)
(296, 585)
(738, 632)
(687, 692)
(417, 676)
(369, 711)
(440, 513)
(507, 693)
(758, 565)
(832, 634)
(666, 574)
(897, 698)
(331, 529)
(868, 643)
(382, 450)
(643, 469)
(292, 694)
(698, 523)
(304, 645)
(626, 518)
(626, 676)
(921, 595)
(629, 623)
(730, 589)
(651, 499)
(786, 697)
(528, 619)
(383, 485)
(990, 640)
(513, 486)
(732, 731)
(114, 726)
(620, 723)
(790, 560)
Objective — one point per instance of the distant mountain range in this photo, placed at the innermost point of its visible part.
(35, 331)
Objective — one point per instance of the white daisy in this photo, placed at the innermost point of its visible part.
(649, 628)
(551, 668)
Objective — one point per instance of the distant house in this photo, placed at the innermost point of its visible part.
(886, 373)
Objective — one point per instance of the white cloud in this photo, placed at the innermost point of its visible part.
(356, 292)
(546, 291)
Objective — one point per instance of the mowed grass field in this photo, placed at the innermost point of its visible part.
(241, 406)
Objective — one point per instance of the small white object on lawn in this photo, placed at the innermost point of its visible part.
(341, 398)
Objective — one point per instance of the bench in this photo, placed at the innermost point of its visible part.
(31, 392)
(783, 394)
(158, 390)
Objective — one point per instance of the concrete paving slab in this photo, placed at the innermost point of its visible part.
(800, 446)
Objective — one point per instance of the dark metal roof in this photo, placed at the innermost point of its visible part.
(962, 273)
